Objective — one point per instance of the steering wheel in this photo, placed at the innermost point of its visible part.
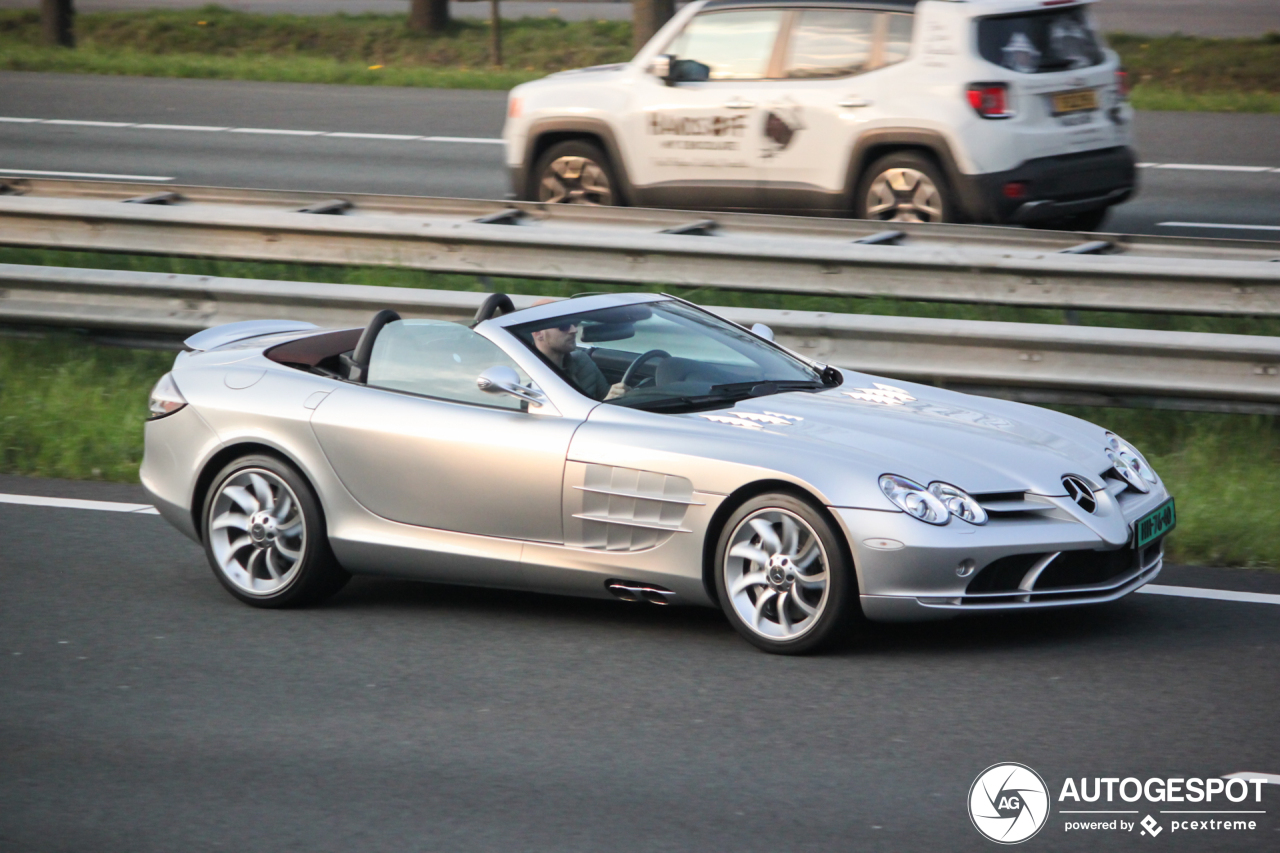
(641, 360)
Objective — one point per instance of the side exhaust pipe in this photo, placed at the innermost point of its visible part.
(637, 591)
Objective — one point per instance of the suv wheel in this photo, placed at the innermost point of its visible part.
(904, 187)
(575, 172)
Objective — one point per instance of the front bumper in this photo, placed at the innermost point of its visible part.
(1056, 187)
(910, 571)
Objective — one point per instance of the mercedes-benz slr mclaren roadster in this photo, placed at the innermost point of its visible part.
(640, 447)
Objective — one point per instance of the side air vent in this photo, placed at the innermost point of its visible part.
(623, 509)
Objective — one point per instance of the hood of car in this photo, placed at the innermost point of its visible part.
(883, 426)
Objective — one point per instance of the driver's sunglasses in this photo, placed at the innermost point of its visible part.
(567, 327)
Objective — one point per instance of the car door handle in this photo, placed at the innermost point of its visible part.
(851, 102)
(739, 104)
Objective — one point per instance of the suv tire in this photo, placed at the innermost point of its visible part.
(575, 172)
(904, 187)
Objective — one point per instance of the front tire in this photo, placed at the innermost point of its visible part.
(575, 172)
(265, 535)
(782, 577)
(904, 187)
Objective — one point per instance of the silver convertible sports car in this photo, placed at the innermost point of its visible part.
(641, 447)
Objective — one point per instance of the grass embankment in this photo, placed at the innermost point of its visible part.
(1169, 72)
(69, 408)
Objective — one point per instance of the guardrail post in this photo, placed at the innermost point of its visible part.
(57, 19)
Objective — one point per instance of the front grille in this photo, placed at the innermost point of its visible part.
(1011, 506)
(1068, 573)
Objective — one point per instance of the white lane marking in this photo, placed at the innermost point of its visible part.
(86, 123)
(205, 128)
(269, 131)
(1217, 225)
(1269, 778)
(1215, 594)
(76, 503)
(398, 137)
(1205, 167)
(272, 131)
(473, 139)
(103, 175)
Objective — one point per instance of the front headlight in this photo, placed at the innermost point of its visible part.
(958, 503)
(914, 499)
(1129, 464)
(165, 398)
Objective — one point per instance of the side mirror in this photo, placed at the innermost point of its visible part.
(661, 67)
(504, 380)
(763, 331)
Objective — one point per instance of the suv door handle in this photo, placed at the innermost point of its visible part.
(851, 102)
(739, 104)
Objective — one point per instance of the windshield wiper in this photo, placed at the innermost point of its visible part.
(730, 392)
(764, 389)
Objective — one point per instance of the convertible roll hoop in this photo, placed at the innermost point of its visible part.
(493, 305)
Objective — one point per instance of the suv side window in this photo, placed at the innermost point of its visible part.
(735, 45)
(436, 358)
(830, 43)
(897, 38)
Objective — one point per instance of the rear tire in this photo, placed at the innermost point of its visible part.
(265, 536)
(575, 172)
(782, 576)
(904, 187)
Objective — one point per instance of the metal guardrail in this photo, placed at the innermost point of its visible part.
(774, 254)
(1037, 363)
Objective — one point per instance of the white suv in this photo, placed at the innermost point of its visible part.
(907, 110)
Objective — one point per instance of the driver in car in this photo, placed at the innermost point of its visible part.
(559, 344)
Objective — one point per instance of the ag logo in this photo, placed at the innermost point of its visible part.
(1008, 803)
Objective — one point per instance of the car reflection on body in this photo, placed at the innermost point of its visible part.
(731, 472)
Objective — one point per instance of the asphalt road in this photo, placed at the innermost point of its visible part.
(143, 709)
(473, 167)
(1154, 17)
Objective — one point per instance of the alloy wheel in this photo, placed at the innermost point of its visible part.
(257, 531)
(904, 195)
(776, 574)
(573, 179)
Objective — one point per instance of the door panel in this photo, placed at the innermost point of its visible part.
(445, 465)
(698, 142)
(829, 94)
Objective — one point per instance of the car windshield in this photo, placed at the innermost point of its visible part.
(663, 356)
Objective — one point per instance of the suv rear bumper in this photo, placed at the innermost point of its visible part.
(1058, 186)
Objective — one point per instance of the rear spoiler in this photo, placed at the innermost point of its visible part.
(231, 332)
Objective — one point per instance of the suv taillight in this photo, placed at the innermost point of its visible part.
(990, 100)
(1122, 83)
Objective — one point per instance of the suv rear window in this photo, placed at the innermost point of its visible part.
(1037, 42)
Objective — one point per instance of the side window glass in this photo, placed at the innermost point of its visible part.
(830, 43)
(897, 38)
(436, 358)
(734, 45)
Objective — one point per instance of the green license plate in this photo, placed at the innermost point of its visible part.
(1154, 524)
